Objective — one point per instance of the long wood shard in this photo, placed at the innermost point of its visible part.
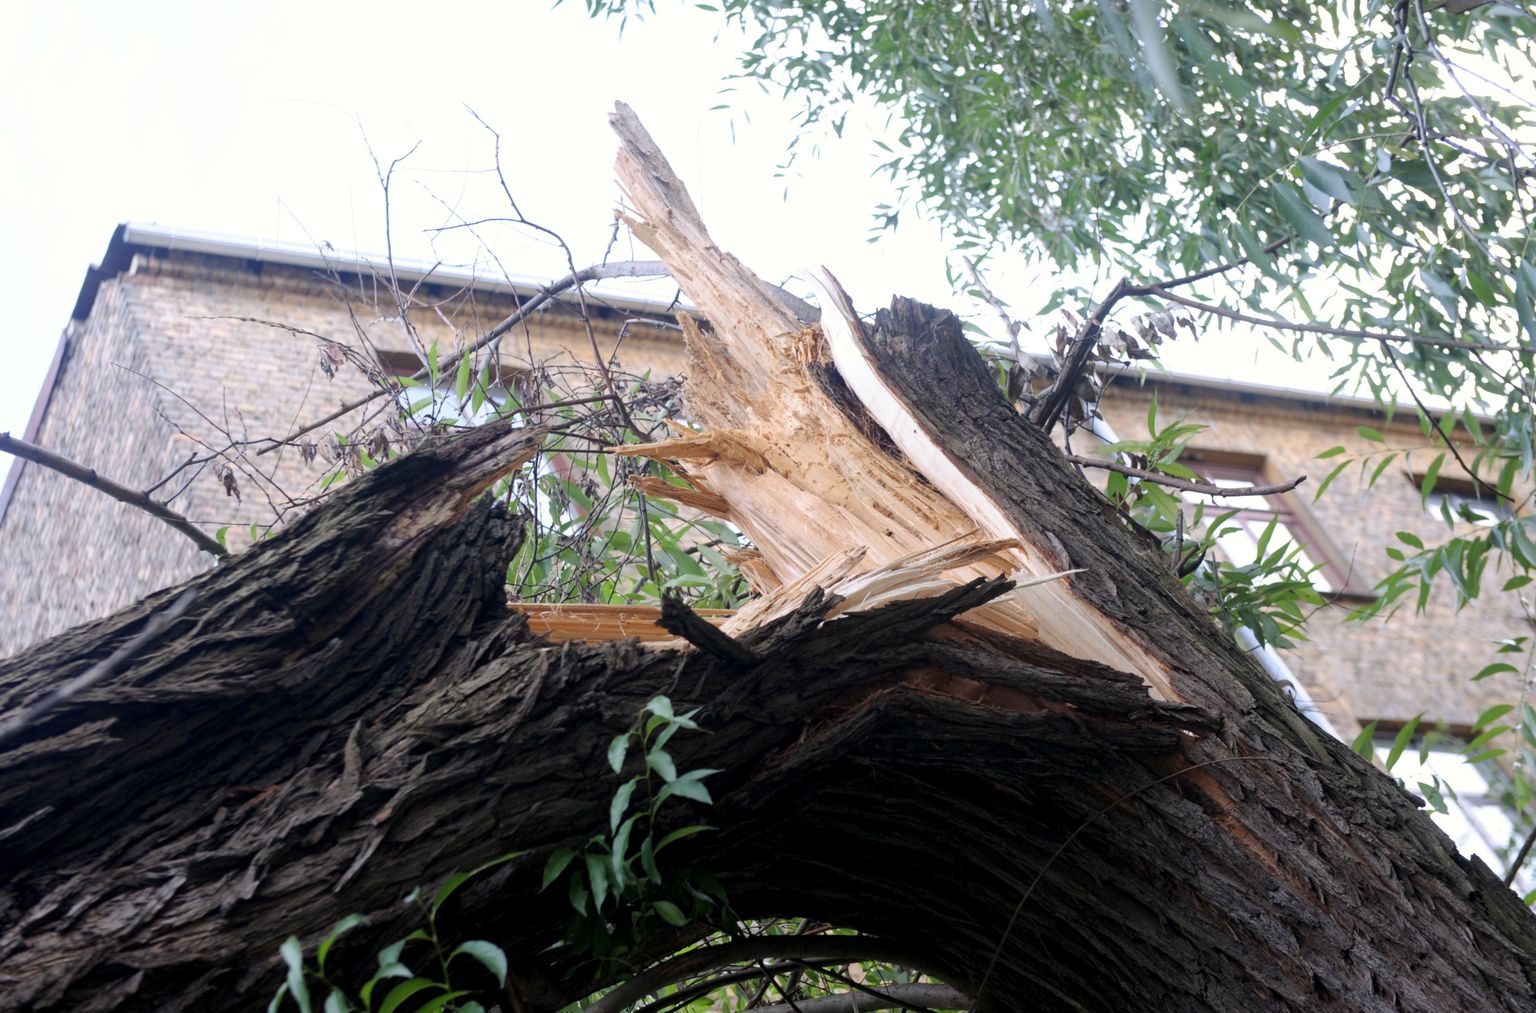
(802, 466)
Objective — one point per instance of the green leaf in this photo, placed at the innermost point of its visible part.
(578, 894)
(1493, 669)
(1403, 738)
(1330, 179)
(648, 860)
(488, 953)
(1433, 796)
(597, 877)
(688, 786)
(681, 833)
(340, 929)
(389, 957)
(402, 993)
(662, 764)
(1322, 487)
(661, 707)
(461, 380)
(556, 865)
(1330, 452)
(1374, 435)
(458, 879)
(293, 956)
(440, 1002)
(1364, 744)
(1299, 213)
(617, 863)
(1427, 486)
(620, 804)
(1409, 538)
(1516, 582)
(1381, 466)
(447, 890)
(617, 750)
(670, 913)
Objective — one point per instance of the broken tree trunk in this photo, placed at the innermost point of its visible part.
(1072, 795)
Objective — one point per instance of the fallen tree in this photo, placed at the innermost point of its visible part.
(972, 718)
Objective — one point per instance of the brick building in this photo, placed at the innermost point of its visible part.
(174, 343)
(180, 342)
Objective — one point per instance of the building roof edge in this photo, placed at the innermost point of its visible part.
(129, 238)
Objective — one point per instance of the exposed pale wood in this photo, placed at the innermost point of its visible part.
(602, 622)
(699, 499)
(1070, 623)
(801, 477)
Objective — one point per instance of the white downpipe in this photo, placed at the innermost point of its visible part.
(1266, 656)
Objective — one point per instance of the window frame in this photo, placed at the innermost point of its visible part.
(1291, 514)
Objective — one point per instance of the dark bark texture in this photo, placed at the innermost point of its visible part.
(348, 711)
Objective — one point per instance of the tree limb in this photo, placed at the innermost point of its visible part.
(1055, 403)
(1336, 332)
(677, 618)
(1204, 488)
(80, 473)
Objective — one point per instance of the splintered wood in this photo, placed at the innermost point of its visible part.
(602, 622)
(808, 479)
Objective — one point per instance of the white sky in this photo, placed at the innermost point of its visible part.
(248, 120)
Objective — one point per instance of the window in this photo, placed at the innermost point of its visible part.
(1462, 501)
(1476, 820)
(1239, 543)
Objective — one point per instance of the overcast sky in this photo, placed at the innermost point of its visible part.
(249, 120)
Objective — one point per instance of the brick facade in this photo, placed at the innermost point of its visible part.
(167, 350)
(1357, 672)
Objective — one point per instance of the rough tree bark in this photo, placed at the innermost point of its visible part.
(1078, 795)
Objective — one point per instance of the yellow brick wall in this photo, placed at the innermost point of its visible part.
(1381, 669)
(174, 356)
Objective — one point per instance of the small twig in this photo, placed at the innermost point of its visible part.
(64, 466)
(157, 622)
(1520, 857)
(1204, 488)
(1478, 483)
(1017, 371)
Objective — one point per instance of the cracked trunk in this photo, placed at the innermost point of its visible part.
(1073, 793)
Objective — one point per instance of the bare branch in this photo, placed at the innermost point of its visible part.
(1204, 488)
(18, 723)
(927, 996)
(620, 269)
(1060, 393)
(70, 469)
(1323, 329)
(706, 958)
